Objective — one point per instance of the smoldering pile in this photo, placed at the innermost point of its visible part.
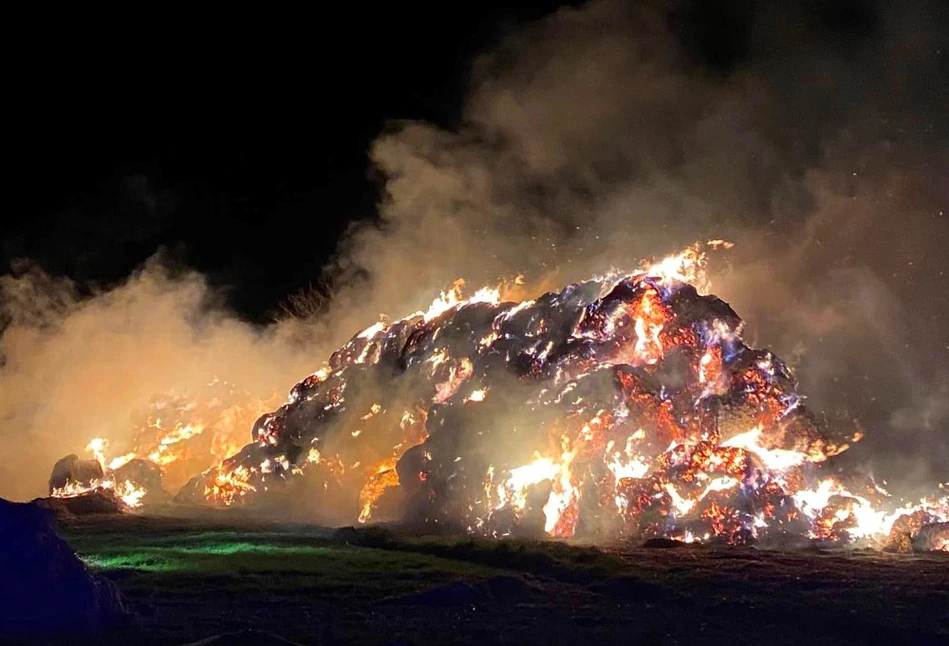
(622, 406)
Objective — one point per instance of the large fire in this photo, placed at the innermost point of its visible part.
(624, 406)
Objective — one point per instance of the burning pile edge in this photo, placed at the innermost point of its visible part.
(627, 406)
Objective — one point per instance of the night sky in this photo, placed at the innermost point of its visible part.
(239, 144)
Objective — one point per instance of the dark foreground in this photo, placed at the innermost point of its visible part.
(191, 579)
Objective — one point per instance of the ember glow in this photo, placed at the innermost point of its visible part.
(626, 406)
(177, 435)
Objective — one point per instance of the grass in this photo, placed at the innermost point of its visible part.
(272, 563)
(553, 559)
(211, 558)
(196, 579)
(190, 579)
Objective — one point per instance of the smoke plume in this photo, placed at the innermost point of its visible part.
(600, 135)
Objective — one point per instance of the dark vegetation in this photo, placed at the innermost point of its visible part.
(188, 580)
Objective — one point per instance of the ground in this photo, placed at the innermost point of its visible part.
(190, 579)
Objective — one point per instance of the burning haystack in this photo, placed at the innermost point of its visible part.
(175, 436)
(624, 406)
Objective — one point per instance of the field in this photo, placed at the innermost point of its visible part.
(188, 580)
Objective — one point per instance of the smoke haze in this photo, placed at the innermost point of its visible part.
(74, 369)
(588, 140)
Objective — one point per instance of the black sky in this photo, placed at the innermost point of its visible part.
(239, 142)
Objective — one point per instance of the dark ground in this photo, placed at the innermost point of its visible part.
(191, 579)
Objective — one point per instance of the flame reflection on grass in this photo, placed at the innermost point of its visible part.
(208, 556)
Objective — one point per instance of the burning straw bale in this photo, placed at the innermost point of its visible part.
(73, 469)
(624, 407)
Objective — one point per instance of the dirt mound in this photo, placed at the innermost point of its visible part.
(46, 588)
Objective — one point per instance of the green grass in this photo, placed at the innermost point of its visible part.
(272, 563)
(209, 558)
(193, 578)
(208, 550)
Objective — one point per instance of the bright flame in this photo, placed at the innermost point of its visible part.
(126, 491)
(121, 461)
(775, 459)
(627, 463)
(453, 298)
(97, 447)
(477, 395)
(163, 455)
(649, 318)
(831, 504)
(513, 491)
(687, 266)
(384, 477)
